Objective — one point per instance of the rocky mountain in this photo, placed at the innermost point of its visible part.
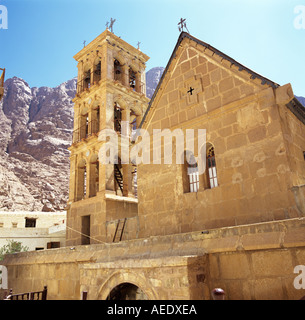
(302, 100)
(152, 79)
(36, 130)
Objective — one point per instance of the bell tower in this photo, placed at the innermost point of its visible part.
(111, 91)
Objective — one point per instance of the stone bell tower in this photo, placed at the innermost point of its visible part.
(111, 89)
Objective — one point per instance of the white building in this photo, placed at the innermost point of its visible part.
(35, 230)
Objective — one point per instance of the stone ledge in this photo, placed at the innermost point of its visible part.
(146, 263)
(260, 236)
(115, 197)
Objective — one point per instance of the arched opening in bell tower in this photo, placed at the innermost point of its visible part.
(95, 119)
(132, 79)
(94, 176)
(97, 71)
(117, 69)
(126, 113)
(81, 181)
(84, 123)
(117, 118)
(87, 79)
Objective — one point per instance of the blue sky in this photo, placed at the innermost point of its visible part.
(43, 35)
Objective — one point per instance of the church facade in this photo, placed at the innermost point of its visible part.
(254, 146)
(227, 213)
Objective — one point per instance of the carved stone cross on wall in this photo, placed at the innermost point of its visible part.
(191, 89)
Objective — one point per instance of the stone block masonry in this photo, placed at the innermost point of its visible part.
(239, 226)
(254, 261)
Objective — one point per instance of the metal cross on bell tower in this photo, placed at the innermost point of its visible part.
(112, 21)
(181, 25)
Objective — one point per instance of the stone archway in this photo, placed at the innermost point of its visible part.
(127, 291)
(127, 283)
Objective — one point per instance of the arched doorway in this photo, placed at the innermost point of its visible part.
(126, 291)
(127, 278)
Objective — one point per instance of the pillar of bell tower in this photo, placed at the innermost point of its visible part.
(111, 94)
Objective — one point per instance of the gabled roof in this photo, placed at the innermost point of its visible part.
(241, 67)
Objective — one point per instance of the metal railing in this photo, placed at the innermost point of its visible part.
(132, 82)
(89, 80)
(86, 131)
(36, 295)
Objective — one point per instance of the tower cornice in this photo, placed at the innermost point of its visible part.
(112, 40)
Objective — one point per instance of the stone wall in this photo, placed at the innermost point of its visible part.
(95, 207)
(256, 174)
(258, 274)
(105, 210)
(258, 145)
(171, 278)
(250, 262)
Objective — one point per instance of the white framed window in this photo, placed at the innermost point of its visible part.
(211, 167)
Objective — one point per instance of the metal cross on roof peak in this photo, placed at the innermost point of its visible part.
(182, 24)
